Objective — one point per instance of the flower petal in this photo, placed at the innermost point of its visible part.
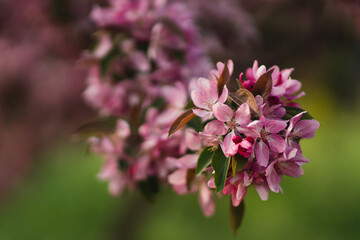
(262, 153)
(202, 113)
(222, 112)
(215, 127)
(198, 99)
(223, 95)
(240, 192)
(293, 122)
(242, 114)
(206, 200)
(227, 144)
(178, 177)
(276, 143)
(274, 126)
(306, 128)
(291, 169)
(273, 178)
(263, 191)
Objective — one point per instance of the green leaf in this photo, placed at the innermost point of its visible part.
(220, 164)
(204, 160)
(292, 111)
(238, 163)
(234, 166)
(181, 121)
(236, 215)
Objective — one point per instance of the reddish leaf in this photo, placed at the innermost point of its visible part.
(96, 128)
(263, 85)
(223, 79)
(244, 96)
(236, 215)
(181, 121)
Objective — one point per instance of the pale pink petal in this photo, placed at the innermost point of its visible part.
(290, 152)
(178, 177)
(245, 144)
(206, 200)
(192, 140)
(222, 112)
(242, 114)
(211, 183)
(291, 169)
(293, 122)
(215, 127)
(188, 161)
(199, 100)
(292, 86)
(224, 95)
(109, 169)
(227, 144)
(181, 189)
(263, 191)
(277, 91)
(273, 178)
(286, 73)
(208, 89)
(247, 179)
(262, 153)
(276, 143)
(241, 192)
(122, 128)
(306, 128)
(275, 126)
(260, 71)
(116, 185)
(235, 201)
(202, 113)
(294, 97)
(175, 95)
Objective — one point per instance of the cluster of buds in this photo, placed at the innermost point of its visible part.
(250, 132)
(139, 73)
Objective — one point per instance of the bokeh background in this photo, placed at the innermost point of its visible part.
(48, 184)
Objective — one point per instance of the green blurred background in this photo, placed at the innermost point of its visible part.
(61, 197)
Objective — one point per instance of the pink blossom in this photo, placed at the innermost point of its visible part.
(267, 131)
(178, 180)
(206, 96)
(237, 187)
(288, 164)
(301, 129)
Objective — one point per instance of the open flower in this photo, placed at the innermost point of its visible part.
(301, 129)
(289, 164)
(206, 96)
(266, 131)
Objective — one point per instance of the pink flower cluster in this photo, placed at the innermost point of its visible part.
(139, 74)
(256, 128)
